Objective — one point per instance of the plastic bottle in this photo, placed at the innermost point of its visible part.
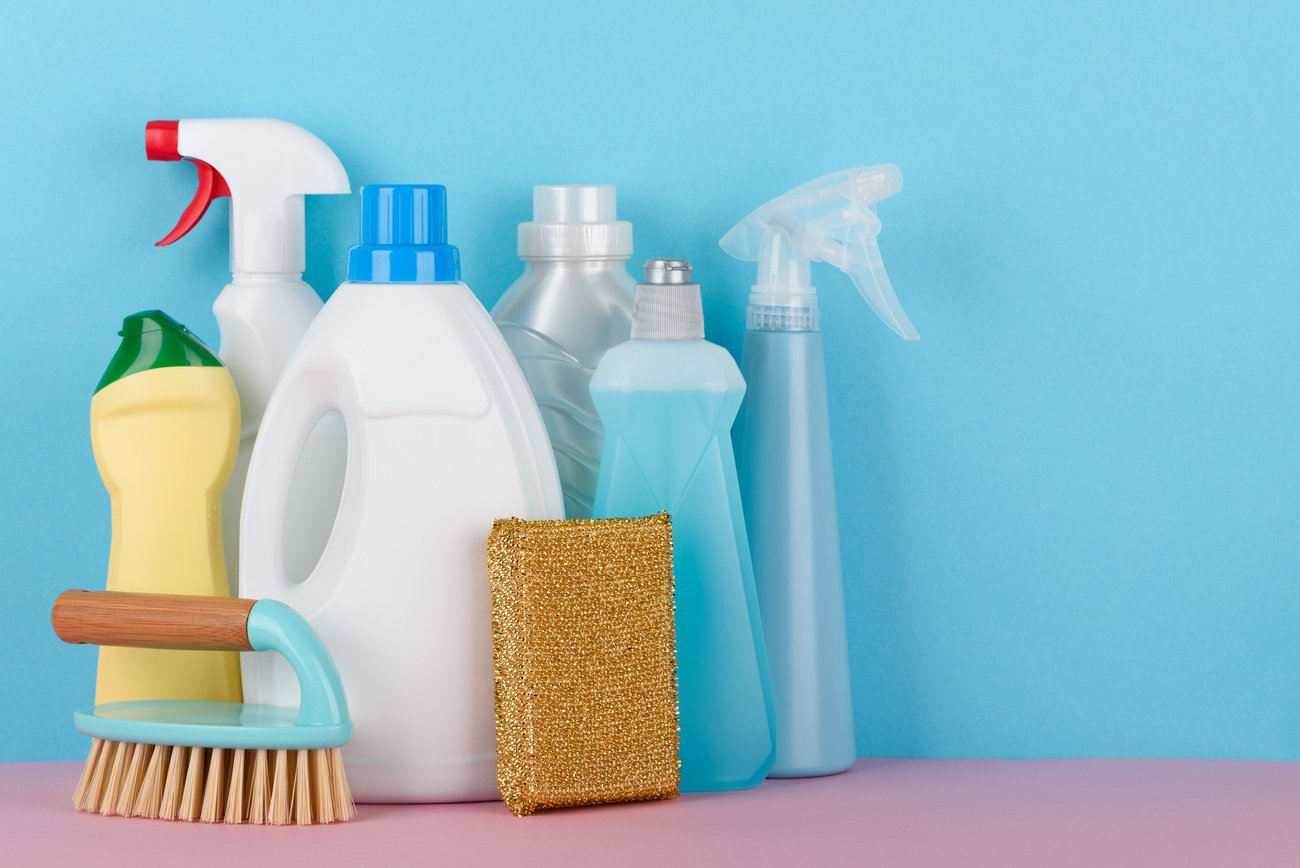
(784, 450)
(443, 438)
(572, 303)
(164, 423)
(668, 399)
(265, 166)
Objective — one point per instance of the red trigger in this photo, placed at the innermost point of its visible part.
(211, 186)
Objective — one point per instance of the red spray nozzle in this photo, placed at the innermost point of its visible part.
(211, 186)
(162, 142)
(160, 139)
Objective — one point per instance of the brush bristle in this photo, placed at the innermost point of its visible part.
(92, 777)
(212, 785)
(344, 808)
(278, 815)
(149, 802)
(301, 788)
(259, 789)
(114, 779)
(323, 806)
(171, 795)
(130, 789)
(192, 789)
(235, 789)
(214, 788)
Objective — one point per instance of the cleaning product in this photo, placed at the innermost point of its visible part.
(265, 166)
(164, 423)
(783, 448)
(443, 438)
(572, 303)
(585, 662)
(667, 399)
(210, 761)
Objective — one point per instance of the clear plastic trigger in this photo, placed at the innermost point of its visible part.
(211, 186)
(866, 268)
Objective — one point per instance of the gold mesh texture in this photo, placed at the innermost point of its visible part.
(584, 661)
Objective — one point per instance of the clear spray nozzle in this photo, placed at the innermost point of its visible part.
(833, 220)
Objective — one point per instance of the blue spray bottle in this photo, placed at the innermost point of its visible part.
(667, 399)
(783, 449)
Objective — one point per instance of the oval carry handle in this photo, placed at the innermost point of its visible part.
(152, 620)
(180, 622)
(301, 401)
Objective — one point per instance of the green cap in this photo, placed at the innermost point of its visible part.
(151, 339)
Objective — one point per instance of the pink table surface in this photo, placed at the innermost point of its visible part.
(1041, 813)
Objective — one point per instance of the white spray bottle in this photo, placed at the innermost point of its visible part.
(265, 167)
(783, 449)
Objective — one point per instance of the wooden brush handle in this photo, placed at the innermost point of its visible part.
(152, 620)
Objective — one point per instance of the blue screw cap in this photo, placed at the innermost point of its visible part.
(404, 236)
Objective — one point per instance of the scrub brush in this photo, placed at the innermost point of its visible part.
(211, 761)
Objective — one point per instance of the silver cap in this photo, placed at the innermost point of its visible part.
(668, 305)
(666, 271)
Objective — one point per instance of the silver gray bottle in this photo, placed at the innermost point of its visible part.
(571, 304)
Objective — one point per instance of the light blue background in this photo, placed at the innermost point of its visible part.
(1071, 513)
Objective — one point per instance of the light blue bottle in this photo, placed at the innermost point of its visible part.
(667, 399)
(783, 446)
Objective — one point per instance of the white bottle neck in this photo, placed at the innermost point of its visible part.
(266, 277)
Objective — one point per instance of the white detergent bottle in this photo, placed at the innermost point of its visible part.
(265, 167)
(443, 437)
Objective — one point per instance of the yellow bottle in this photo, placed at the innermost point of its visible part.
(164, 422)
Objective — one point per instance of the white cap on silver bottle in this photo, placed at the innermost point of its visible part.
(575, 221)
(667, 306)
